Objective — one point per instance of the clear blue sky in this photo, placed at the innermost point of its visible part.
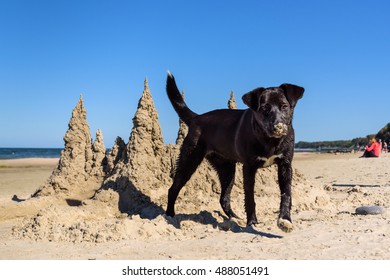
(51, 51)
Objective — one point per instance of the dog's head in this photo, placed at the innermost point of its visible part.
(274, 107)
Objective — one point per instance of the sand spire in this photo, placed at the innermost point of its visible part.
(146, 126)
(99, 155)
(78, 158)
(138, 172)
(232, 101)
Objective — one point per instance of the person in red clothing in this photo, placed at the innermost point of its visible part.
(372, 150)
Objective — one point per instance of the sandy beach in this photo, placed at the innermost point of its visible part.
(334, 232)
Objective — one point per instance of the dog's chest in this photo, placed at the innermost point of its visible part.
(265, 162)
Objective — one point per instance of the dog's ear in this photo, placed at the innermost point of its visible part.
(252, 98)
(293, 93)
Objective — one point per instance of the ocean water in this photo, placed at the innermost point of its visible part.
(16, 153)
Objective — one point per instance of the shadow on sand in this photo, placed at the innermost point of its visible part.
(132, 201)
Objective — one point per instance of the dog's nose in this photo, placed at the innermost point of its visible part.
(280, 129)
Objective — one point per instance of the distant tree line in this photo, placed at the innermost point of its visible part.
(383, 134)
(347, 144)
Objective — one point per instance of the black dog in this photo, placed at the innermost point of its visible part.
(258, 137)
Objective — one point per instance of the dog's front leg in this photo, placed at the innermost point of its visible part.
(249, 184)
(285, 178)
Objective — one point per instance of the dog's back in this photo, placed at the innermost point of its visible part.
(215, 128)
(218, 130)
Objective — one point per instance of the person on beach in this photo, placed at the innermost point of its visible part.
(385, 147)
(373, 149)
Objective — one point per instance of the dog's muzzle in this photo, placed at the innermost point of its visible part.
(280, 130)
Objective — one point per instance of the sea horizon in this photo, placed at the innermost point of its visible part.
(20, 153)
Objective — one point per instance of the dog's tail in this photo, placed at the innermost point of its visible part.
(181, 108)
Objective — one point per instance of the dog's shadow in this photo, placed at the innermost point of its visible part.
(206, 218)
(251, 230)
(134, 202)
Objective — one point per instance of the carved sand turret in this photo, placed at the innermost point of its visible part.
(146, 137)
(99, 155)
(138, 173)
(232, 101)
(79, 160)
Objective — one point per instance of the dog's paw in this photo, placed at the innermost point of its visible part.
(232, 215)
(285, 225)
(251, 222)
(170, 212)
(172, 220)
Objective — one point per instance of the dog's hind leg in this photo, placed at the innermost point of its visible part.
(226, 173)
(191, 155)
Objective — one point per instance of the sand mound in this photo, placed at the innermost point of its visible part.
(122, 195)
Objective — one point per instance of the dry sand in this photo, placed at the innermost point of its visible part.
(333, 232)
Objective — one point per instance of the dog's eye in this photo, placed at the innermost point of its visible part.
(284, 107)
(266, 108)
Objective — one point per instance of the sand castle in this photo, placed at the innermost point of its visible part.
(123, 194)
